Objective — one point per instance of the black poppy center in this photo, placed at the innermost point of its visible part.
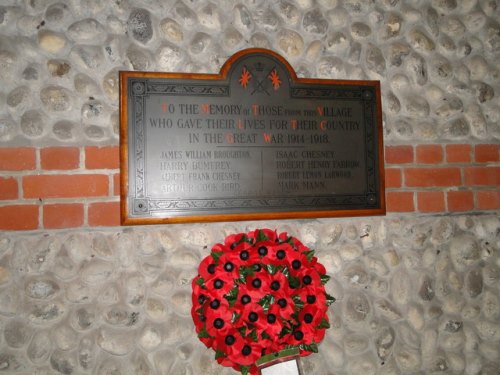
(281, 254)
(311, 299)
(218, 323)
(256, 283)
(271, 318)
(215, 304)
(308, 318)
(211, 269)
(229, 340)
(275, 285)
(201, 298)
(257, 267)
(307, 279)
(262, 250)
(228, 267)
(253, 317)
(244, 255)
(282, 302)
(246, 350)
(245, 299)
(298, 335)
(296, 264)
(218, 284)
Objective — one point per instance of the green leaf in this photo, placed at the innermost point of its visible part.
(299, 304)
(253, 336)
(245, 370)
(272, 269)
(242, 330)
(310, 348)
(266, 301)
(232, 296)
(261, 236)
(265, 336)
(324, 324)
(235, 317)
(200, 311)
(200, 281)
(203, 333)
(219, 354)
(216, 255)
(294, 282)
(324, 279)
(284, 331)
(309, 254)
(329, 299)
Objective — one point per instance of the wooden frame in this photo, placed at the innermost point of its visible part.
(144, 200)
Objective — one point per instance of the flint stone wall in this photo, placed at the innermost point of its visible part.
(416, 294)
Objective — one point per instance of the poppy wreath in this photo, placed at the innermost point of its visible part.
(259, 293)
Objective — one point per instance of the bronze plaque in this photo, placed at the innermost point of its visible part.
(253, 142)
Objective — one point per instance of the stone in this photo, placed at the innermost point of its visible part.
(86, 353)
(33, 124)
(169, 57)
(140, 25)
(41, 288)
(40, 347)
(474, 282)
(58, 68)
(200, 42)
(121, 316)
(83, 318)
(43, 313)
(19, 99)
(17, 333)
(115, 342)
(51, 41)
(417, 106)
(181, 303)
(209, 17)
(408, 359)
(314, 22)
(398, 51)
(266, 18)
(456, 129)
(135, 285)
(96, 272)
(57, 13)
(56, 98)
(231, 38)
(64, 130)
(110, 84)
(484, 92)
(464, 251)
(449, 107)
(290, 43)
(420, 41)
(289, 13)
(86, 30)
(156, 309)
(150, 338)
(171, 30)
(384, 342)
(490, 306)
(64, 337)
(184, 14)
(87, 56)
(243, 18)
(85, 86)
(417, 68)
(387, 309)
(357, 308)
(63, 362)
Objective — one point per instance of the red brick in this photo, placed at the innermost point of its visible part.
(17, 159)
(19, 217)
(102, 157)
(393, 178)
(8, 188)
(431, 201)
(488, 199)
(432, 177)
(60, 158)
(104, 214)
(487, 153)
(66, 186)
(57, 216)
(400, 201)
(460, 200)
(399, 154)
(116, 184)
(458, 153)
(481, 176)
(429, 154)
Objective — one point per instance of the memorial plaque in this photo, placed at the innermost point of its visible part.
(253, 142)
